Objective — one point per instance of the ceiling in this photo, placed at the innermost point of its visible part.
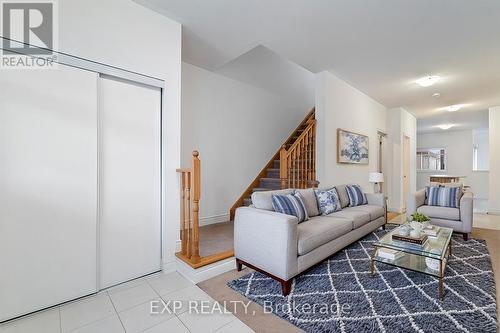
(467, 120)
(380, 46)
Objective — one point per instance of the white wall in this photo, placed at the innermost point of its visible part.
(263, 68)
(237, 128)
(124, 34)
(494, 181)
(400, 123)
(480, 139)
(339, 105)
(458, 146)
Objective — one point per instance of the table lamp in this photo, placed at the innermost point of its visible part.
(376, 178)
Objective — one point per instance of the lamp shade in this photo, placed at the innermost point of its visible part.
(376, 177)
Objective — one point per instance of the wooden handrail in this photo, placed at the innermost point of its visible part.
(190, 186)
(255, 183)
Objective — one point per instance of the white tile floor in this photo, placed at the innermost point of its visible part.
(127, 309)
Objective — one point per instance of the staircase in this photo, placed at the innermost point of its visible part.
(293, 165)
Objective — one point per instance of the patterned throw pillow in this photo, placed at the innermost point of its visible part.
(291, 204)
(443, 196)
(328, 201)
(356, 195)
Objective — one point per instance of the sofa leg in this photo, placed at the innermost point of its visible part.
(466, 236)
(383, 227)
(286, 287)
(239, 265)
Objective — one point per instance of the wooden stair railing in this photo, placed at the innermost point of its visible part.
(190, 187)
(297, 162)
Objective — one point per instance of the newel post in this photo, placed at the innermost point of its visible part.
(283, 167)
(196, 174)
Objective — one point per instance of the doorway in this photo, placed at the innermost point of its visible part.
(406, 170)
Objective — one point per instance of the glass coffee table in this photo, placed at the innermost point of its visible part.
(436, 251)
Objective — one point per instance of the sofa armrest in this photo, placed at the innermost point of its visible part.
(267, 240)
(466, 211)
(377, 199)
(415, 200)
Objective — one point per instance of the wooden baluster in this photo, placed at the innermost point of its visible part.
(196, 174)
(303, 146)
(298, 165)
(307, 158)
(289, 167)
(188, 215)
(301, 158)
(294, 160)
(306, 161)
(283, 168)
(314, 151)
(309, 171)
(183, 213)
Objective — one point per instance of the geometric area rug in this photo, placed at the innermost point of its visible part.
(338, 294)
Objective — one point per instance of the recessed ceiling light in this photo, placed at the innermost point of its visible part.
(427, 81)
(453, 108)
(445, 126)
(436, 95)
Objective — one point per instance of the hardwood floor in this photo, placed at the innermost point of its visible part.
(216, 238)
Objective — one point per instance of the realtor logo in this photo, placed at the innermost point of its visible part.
(29, 33)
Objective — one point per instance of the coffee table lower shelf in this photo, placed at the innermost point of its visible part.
(416, 263)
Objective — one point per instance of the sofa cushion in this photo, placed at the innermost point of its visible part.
(342, 192)
(356, 195)
(374, 210)
(291, 204)
(310, 201)
(446, 213)
(328, 201)
(263, 199)
(320, 230)
(443, 196)
(358, 217)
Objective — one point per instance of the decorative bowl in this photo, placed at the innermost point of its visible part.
(404, 230)
(415, 233)
(418, 226)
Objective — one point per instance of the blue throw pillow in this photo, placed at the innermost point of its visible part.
(443, 196)
(328, 201)
(356, 195)
(291, 204)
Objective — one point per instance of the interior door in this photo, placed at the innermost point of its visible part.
(129, 178)
(406, 171)
(48, 188)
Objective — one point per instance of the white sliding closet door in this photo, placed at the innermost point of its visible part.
(129, 180)
(48, 188)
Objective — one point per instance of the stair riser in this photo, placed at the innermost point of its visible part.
(273, 174)
(272, 185)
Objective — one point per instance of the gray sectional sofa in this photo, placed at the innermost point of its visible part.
(459, 219)
(277, 245)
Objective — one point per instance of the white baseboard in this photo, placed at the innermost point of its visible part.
(205, 272)
(169, 267)
(214, 219)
